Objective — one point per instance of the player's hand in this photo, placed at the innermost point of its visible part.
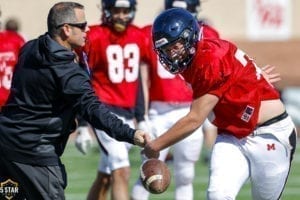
(149, 150)
(84, 140)
(141, 138)
(270, 75)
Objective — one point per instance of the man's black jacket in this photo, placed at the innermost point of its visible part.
(48, 90)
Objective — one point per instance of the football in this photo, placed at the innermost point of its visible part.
(155, 176)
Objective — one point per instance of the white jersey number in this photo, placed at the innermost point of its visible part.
(117, 57)
(6, 70)
(244, 59)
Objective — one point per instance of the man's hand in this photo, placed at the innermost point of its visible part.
(269, 76)
(84, 140)
(149, 150)
(141, 138)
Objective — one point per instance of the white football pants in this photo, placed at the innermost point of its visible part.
(264, 158)
(114, 154)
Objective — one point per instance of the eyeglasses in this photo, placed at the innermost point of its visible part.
(81, 26)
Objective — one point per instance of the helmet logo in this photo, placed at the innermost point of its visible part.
(161, 42)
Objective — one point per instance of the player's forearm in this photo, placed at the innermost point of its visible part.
(200, 108)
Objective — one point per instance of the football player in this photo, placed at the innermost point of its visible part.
(256, 137)
(10, 45)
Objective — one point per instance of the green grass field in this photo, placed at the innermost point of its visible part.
(82, 170)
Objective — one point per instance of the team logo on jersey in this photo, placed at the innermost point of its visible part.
(247, 114)
(9, 189)
(271, 147)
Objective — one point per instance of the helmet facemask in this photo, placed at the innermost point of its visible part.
(176, 55)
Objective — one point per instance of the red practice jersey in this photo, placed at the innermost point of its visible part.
(221, 69)
(114, 60)
(208, 31)
(10, 45)
(165, 86)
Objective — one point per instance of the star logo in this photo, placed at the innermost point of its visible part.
(9, 189)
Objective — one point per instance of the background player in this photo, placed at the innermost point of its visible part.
(256, 137)
(10, 45)
(115, 50)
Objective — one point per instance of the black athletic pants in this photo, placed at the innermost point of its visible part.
(35, 182)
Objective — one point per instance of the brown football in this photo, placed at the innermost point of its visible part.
(155, 176)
